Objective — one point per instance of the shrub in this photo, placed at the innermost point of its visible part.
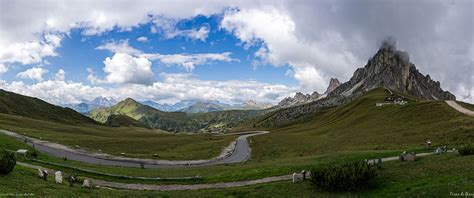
(350, 176)
(467, 149)
(7, 163)
(33, 154)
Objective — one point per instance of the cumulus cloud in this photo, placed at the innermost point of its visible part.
(312, 61)
(3, 69)
(60, 75)
(124, 68)
(142, 39)
(331, 37)
(189, 61)
(336, 37)
(30, 52)
(119, 47)
(169, 28)
(195, 34)
(35, 73)
(172, 88)
(21, 37)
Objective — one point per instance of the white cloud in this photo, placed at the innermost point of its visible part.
(168, 27)
(23, 22)
(313, 62)
(333, 37)
(336, 37)
(30, 52)
(125, 68)
(195, 34)
(189, 61)
(119, 47)
(172, 88)
(35, 73)
(142, 39)
(3, 69)
(60, 75)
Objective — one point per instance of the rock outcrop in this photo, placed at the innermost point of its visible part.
(392, 69)
(333, 84)
(388, 68)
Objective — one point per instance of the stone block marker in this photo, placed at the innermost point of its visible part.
(58, 177)
(40, 173)
(86, 183)
(407, 157)
(297, 177)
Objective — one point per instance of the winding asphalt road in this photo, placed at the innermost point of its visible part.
(240, 152)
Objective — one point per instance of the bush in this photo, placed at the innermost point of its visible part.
(350, 176)
(7, 163)
(33, 154)
(467, 149)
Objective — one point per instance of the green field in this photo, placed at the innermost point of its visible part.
(361, 126)
(354, 131)
(433, 176)
(135, 142)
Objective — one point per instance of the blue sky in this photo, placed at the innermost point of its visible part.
(78, 52)
(73, 51)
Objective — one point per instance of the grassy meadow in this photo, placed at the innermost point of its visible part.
(134, 141)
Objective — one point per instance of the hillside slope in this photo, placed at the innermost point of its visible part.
(173, 121)
(16, 104)
(361, 125)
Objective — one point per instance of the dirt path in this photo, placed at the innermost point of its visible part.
(172, 187)
(459, 108)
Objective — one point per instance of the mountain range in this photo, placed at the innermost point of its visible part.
(301, 98)
(87, 106)
(388, 68)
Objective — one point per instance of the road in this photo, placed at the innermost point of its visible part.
(459, 108)
(239, 151)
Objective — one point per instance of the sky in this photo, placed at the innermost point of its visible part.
(67, 52)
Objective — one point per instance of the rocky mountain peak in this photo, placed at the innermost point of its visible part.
(333, 84)
(250, 102)
(392, 69)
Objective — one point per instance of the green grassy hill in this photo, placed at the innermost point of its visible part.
(16, 104)
(360, 125)
(174, 121)
(122, 121)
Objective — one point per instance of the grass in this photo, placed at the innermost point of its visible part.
(431, 176)
(466, 105)
(360, 125)
(134, 141)
(211, 174)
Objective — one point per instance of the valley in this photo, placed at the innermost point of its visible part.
(236, 99)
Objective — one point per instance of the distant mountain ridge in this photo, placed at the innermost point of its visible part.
(301, 98)
(203, 106)
(87, 106)
(169, 121)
